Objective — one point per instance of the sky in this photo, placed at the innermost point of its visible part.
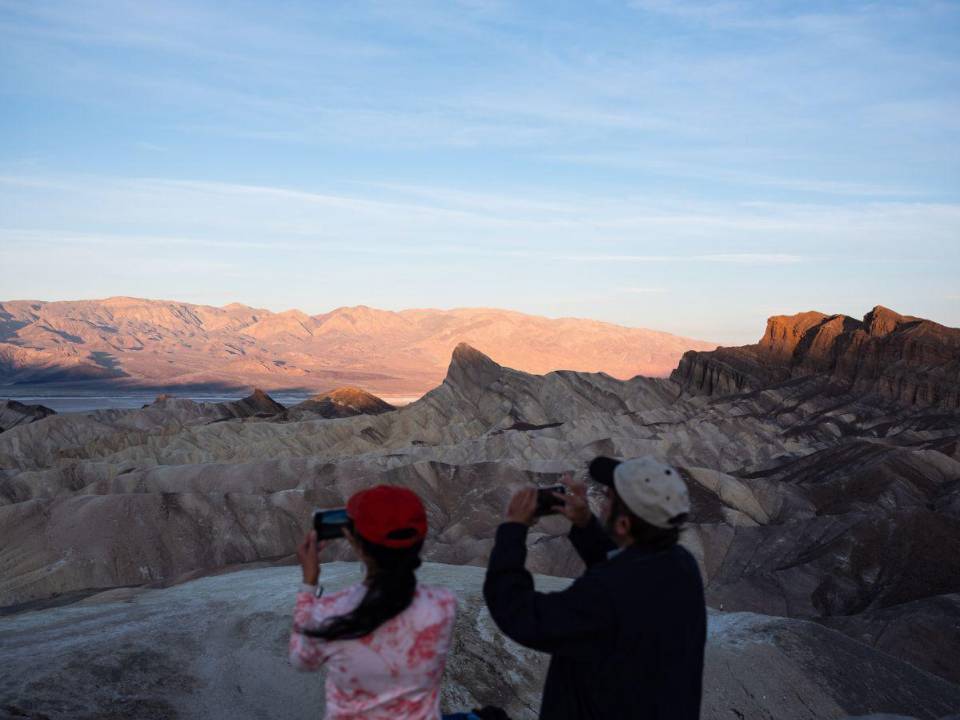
(693, 167)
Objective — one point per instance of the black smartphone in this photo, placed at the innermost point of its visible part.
(329, 524)
(547, 503)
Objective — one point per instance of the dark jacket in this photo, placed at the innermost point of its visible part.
(626, 638)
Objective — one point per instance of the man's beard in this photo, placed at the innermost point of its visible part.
(608, 524)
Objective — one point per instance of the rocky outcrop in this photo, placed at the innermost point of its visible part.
(894, 358)
(216, 648)
(925, 633)
(257, 404)
(340, 403)
(785, 332)
(13, 413)
(863, 525)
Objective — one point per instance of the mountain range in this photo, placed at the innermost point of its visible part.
(129, 343)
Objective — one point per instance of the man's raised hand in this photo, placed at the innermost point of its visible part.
(523, 507)
(575, 506)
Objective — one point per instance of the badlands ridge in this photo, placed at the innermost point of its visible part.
(823, 463)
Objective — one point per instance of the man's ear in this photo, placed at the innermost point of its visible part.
(622, 525)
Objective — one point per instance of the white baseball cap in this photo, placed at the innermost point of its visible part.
(654, 491)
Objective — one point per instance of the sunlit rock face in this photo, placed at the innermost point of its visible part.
(124, 343)
(819, 494)
(888, 357)
(339, 403)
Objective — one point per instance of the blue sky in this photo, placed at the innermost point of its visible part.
(687, 166)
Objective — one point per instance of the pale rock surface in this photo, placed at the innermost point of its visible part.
(216, 648)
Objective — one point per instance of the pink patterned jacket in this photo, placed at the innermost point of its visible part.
(394, 672)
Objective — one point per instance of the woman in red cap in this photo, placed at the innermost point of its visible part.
(384, 641)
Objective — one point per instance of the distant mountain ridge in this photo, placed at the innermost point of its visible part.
(132, 342)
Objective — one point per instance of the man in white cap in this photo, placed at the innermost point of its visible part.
(627, 637)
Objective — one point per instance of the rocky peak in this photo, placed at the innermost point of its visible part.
(784, 332)
(468, 358)
(881, 321)
(471, 368)
(258, 403)
(288, 322)
(295, 314)
(349, 395)
(360, 320)
(343, 402)
(261, 399)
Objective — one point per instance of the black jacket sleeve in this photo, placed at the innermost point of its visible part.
(575, 621)
(591, 542)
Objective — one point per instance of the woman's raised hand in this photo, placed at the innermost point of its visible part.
(308, 553)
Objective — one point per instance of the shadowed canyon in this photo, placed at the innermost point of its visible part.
(145, 554)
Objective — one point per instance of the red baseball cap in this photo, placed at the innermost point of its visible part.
(388, 515)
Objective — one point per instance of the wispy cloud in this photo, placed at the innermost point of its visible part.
(703, 170)
(382, 214)
(753, 258)
(839, 21)
(732, 258)
(693, 9)
(152, 147)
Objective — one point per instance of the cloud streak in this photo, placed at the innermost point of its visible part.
(731, 258)
(379, 215)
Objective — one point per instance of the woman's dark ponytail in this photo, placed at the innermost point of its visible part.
(390, 590)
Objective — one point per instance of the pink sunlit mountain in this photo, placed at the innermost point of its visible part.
(138, 343)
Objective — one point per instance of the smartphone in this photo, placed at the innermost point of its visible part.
(329, 524)
(547, 504)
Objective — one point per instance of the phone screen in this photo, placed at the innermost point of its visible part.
(547, 503)
(329, 524)
(334, 517)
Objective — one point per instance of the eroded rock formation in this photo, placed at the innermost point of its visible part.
(890, 357)
(13, 413)
(824, 503)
